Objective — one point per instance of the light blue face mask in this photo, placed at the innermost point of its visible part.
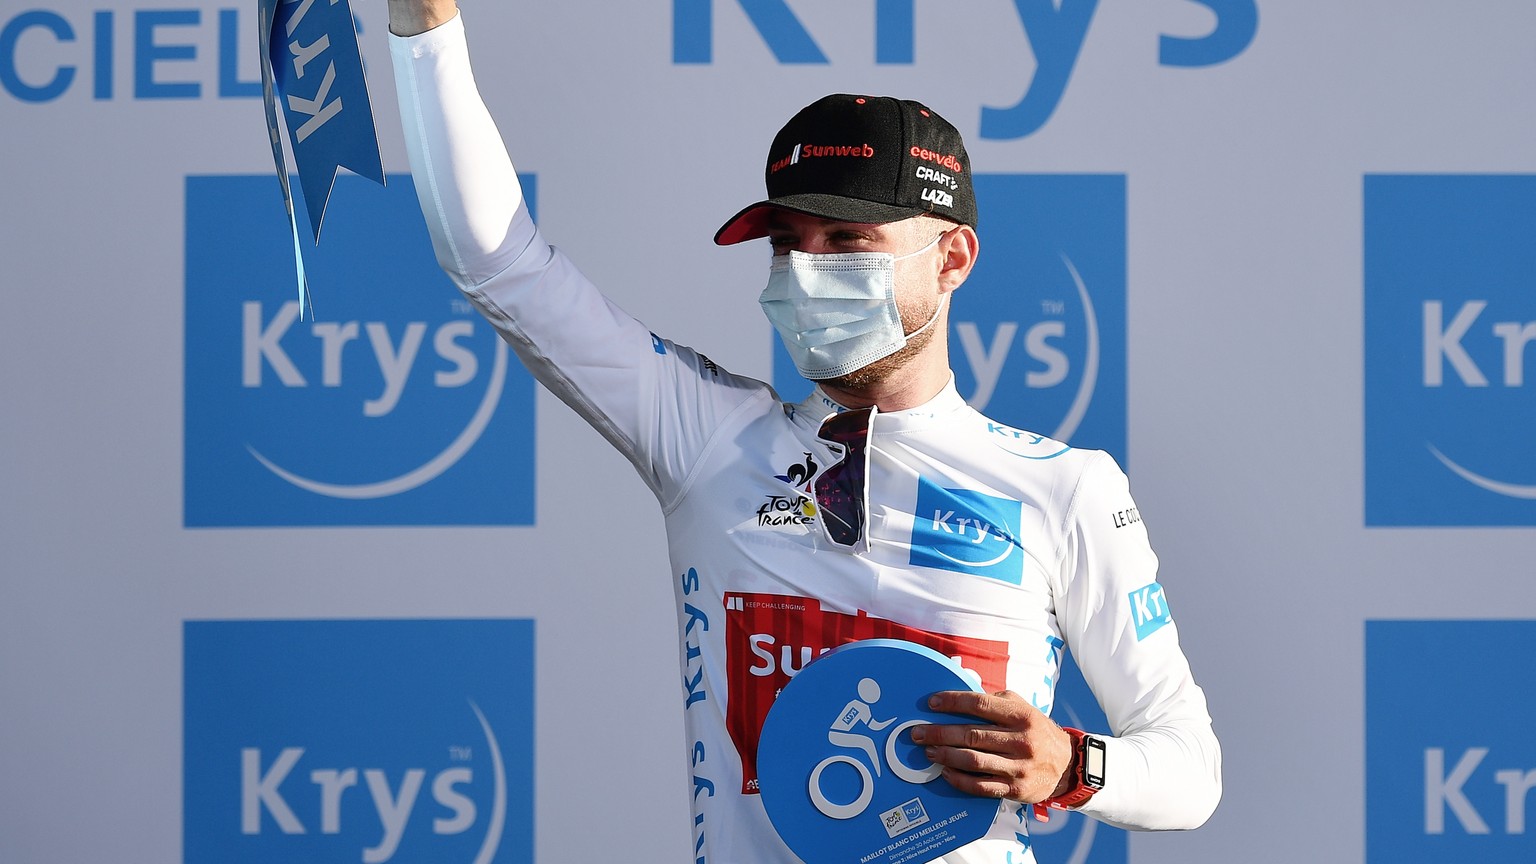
(836, 313)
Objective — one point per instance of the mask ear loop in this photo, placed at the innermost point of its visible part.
(931, 244)
(943, 301)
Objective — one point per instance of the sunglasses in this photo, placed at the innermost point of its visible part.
(842, 489)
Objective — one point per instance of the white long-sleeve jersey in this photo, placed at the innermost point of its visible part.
(990, 544)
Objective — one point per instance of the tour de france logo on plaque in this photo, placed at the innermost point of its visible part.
(837, 770)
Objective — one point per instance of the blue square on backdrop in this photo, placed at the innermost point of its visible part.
(1037, 334)
(358, 740)
(1449, 755)
(391, 403)
(1450, 374)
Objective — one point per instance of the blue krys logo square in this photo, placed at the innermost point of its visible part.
(1149, 610)
(377, 741)
(394, 403)
(1450, 375)
(1037, 333)
(1449, 756)
(967, 532)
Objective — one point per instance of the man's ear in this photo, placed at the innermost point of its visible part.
(960, 248)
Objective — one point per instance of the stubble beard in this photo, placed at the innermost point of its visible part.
(880, 371)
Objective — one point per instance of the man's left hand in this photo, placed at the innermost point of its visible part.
(1022, 755)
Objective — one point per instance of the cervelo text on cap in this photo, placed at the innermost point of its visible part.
(862, 159)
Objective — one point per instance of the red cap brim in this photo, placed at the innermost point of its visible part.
(752, 222)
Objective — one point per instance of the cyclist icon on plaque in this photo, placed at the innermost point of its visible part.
(838, 773)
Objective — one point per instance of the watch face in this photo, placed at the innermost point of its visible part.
(1093, 763)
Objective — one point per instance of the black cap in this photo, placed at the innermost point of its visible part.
(862, 159)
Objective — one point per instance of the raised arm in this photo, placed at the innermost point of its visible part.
(657, 403)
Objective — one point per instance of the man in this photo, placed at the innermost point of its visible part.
(872, 222)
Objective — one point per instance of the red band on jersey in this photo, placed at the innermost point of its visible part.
(770, 637)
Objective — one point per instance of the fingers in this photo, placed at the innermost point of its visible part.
(1005, 708)
(984, 787)
(976, 761)
(1012, 754)
(988, 775)
(992, 739)
(1009, 721)
(979, 760)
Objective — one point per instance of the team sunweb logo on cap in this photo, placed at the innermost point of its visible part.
(378, 407)
(1037, 333)
(1450, 367)
(377, 741)
(821, 151)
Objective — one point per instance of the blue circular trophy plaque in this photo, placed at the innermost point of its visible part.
(837, 770)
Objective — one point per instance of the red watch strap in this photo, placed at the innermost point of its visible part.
(1077, 792)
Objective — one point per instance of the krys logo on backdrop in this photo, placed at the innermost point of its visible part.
(46, 54)
(1450, 374)
(1449, 757)
(394, 403)
(1054, 30)
(119, 53)
(1037, 333)
(337, 740)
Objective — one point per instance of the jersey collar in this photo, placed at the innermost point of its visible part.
(818, 405)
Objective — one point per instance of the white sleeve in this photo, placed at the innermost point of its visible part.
(465, 182)
(655, 401)
(1163, 767)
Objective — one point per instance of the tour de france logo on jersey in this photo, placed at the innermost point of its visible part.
(791, 508)
(391, 402)
(1037, 333)
(379, 741)
(1448, 778)
(966, 531)
(1450, 367)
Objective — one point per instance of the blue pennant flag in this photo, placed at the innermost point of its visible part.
(311, 61)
